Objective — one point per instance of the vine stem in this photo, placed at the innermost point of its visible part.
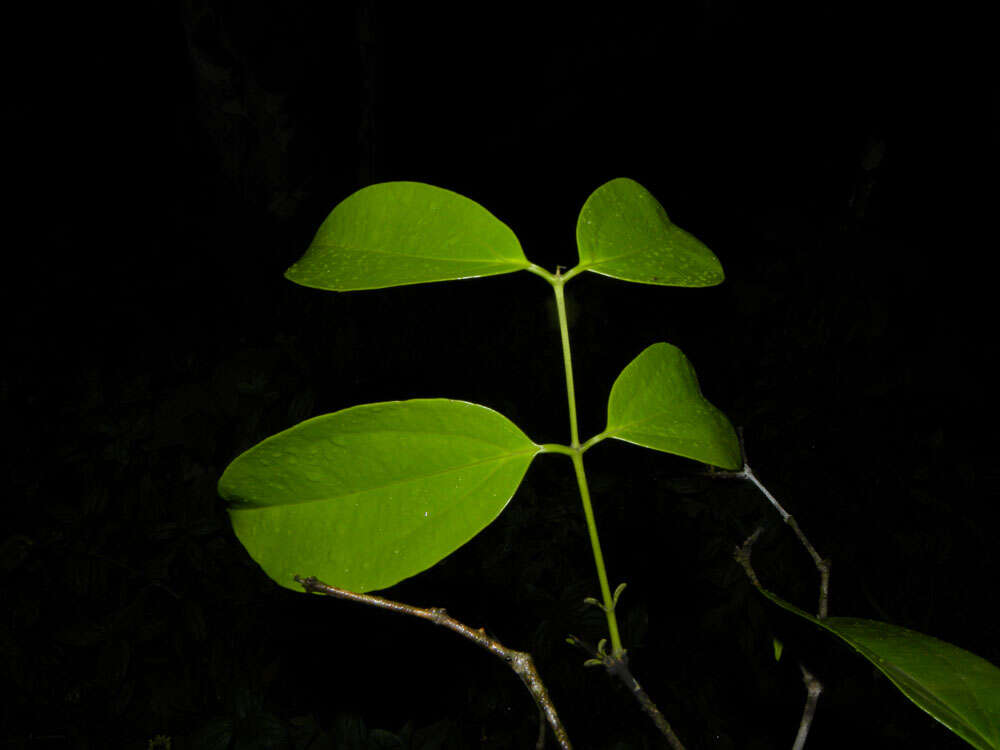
(557, 287)
(595, 545)
(557, 281)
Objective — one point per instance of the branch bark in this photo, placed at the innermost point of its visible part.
(823, 565)
(742, 554)
(521, 662)
(813, 688)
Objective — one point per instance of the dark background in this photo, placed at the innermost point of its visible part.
(836, 159)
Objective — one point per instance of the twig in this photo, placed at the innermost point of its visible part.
(519, 661)
(742, 555)
(813, 688)
(617, 666)
(822, 565)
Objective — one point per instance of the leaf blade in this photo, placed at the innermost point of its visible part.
(656, 402)
(367, 496)
(625, 233)
(397, 233)
(954, 686)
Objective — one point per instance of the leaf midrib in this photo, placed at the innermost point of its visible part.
(450, 470)
(430, 433)
(628, 425)
(395, 253)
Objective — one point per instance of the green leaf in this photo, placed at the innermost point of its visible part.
(656, 403)
(956, 687)
(623, 232)
(367, 496)
(396, 233)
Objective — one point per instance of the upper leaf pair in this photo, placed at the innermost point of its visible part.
(396, 233)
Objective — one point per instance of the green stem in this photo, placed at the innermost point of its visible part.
(576, 454)
(557, 287)
(595, 545)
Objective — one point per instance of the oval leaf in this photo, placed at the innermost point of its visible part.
(956, 687)
(656, 403)
(367, 496)
(624, 232)
(396, 233)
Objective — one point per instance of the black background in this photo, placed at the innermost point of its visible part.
(166, 170)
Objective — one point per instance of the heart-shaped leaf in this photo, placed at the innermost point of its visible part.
(624, 232)
(396, 233)
(958, 688)
(367, 496)
(656, 403)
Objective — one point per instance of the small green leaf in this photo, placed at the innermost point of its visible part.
(779, 647)
(623, 232)
(593, 663)
(956, 687)
(656, 403)
(396, 233)
(618, 592)
(593, 602)
(365, 497)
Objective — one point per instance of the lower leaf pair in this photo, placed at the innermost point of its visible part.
(370, 495)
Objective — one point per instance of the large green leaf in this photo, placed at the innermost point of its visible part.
(367, 496)
(624, 232)
(956, 687)
(396, 233)
(656, 403)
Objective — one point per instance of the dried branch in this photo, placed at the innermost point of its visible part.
(520, 662)
(617, 666)
(813, 688)
(742, 555)
(822, 565)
